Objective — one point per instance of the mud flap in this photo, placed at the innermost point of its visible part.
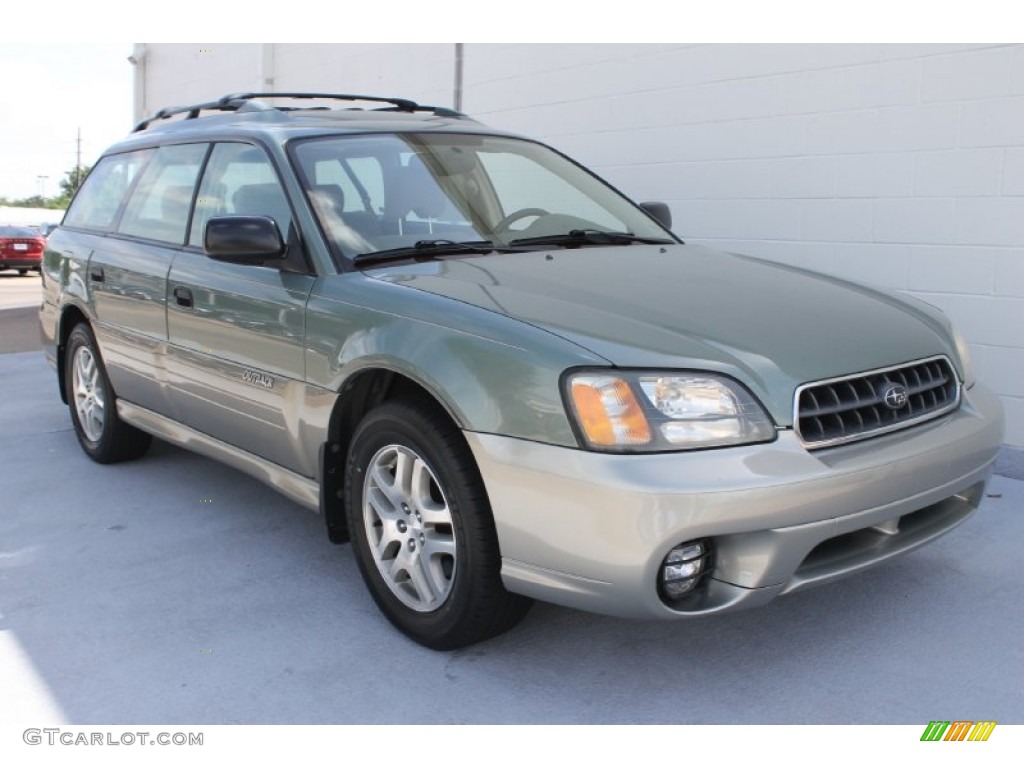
(332, 501)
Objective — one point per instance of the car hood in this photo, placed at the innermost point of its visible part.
(772, 326)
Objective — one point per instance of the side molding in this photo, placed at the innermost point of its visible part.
(301, 490)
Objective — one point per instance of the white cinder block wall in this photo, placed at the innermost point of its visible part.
(187, 74)
(183, 73)
(899, 165)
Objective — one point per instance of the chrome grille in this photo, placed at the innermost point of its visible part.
(855, 407)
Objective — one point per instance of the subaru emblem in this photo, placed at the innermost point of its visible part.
(895, 396)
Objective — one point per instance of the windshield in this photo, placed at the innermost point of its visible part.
(383, 192)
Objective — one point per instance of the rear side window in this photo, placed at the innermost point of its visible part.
(239, 180)
(159, 205)
(97, 203)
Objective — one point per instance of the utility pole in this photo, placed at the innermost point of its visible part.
(78, 159)
(457, 95)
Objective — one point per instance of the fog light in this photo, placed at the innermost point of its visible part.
(683, 569)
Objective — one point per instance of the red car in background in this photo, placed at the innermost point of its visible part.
(21, 248)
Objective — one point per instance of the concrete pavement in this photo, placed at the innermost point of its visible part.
(176, 590)
(19, 290)
(19, 304)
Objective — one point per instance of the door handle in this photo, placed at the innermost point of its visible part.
(96, 274)
(183, 296)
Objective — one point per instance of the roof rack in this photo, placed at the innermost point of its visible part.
(234, 102)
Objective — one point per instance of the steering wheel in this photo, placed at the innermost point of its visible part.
(515, 216)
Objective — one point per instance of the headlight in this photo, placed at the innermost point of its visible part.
(654, 411)
(964, 353)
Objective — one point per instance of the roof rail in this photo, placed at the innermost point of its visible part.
(234, 102)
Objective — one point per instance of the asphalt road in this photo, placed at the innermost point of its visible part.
(175, 590)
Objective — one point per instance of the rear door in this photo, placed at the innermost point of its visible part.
(128, 274)
(235, 361)
(126, 269)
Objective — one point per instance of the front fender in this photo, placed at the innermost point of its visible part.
(493, 373)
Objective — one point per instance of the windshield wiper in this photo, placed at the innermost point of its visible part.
(426, 249)
(578, 237)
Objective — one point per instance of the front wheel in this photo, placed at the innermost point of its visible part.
(422, 529)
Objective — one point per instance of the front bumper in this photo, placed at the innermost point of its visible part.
(590, 530)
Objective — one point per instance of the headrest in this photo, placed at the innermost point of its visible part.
(417, 191)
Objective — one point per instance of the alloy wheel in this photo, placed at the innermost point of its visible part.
(409, 528)
(90, 398)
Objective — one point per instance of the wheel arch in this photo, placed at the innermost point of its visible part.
(70, 316)
(361, 393)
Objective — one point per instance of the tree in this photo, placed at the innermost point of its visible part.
(72, 181)
(68, 186)
(36, 201)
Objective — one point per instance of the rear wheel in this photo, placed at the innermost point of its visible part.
(422, 529)
(22, 271)
(101, 432)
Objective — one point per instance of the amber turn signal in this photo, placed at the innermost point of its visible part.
(608, 411)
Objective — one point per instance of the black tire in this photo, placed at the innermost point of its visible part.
(476, 606)
(107, 440)
(23, 272)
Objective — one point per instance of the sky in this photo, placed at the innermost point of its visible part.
(49, 92)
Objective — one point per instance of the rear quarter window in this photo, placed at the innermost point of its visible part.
(104, 190)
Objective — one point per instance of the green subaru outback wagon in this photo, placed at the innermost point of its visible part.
(495, 374)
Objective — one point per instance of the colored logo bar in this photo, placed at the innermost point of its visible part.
(958, 730)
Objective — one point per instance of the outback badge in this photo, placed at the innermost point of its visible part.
(257, 379)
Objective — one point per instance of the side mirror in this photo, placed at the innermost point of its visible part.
(243, 239)
(659, 212)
